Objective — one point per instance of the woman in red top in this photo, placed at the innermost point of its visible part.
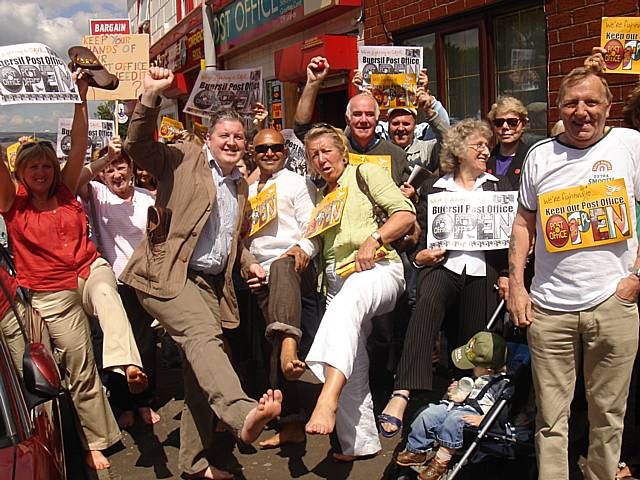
(66, 276)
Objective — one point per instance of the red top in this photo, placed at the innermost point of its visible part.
(9, 283)
(51, 249)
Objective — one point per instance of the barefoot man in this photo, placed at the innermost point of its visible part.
(182, 270)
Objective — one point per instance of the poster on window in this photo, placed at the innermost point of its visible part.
(391, 73)
(34, 73)
(471, 220)
(214, 89)
(100, 132)
(619, 37)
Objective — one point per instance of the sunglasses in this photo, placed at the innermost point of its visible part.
(512, 122)
(265, 147)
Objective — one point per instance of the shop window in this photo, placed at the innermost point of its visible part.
(185, 7)
(428, 43)
(462, 74)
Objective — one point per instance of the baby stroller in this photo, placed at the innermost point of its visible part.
(506, 432)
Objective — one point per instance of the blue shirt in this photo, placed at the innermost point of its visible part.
(214, 244)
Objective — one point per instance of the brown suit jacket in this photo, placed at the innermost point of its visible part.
(185, 186)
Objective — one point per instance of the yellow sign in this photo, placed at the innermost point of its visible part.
(200, 131)
(585, 216)
(383, 161)
(125, 56)
(327, 213)
(12, 151)
(263, 208)
(347, 268)
(169, 128)
(620, 37)
(394, 89)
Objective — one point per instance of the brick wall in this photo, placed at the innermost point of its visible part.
(573, 27)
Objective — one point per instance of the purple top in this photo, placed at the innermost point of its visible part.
(502, 164)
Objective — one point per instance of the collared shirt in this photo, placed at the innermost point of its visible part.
(214, 244)
(374, 141)
(457, 260)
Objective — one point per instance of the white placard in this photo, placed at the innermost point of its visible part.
(100, 132)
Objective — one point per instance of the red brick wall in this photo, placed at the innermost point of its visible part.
(573, 27)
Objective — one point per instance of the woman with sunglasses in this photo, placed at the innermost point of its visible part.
(65, 275)
(509, 119)
(457, 285)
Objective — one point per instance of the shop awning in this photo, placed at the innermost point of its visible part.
(340, 50)
(178, 87)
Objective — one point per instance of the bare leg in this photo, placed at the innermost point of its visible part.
(395, 407)
(323, 418)
(96, 460)
(268, 408)
(292, 432)
(292, 367)
(148, 415)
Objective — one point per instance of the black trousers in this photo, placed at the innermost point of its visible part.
(442, 294)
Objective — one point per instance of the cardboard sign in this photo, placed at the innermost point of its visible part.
(585, 216)
(34, 73)
(125, 56)
(470, 220)
(328, 213)
(383, 161)
(263, 209)
(619, 37)
(169, 128)
(118, 26)
(12, 151)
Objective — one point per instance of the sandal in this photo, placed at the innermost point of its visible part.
(395, 421)
(626, 470)
(99, 77)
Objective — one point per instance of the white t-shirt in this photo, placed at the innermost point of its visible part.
(295, 198)
(579, 279)
(121, 224)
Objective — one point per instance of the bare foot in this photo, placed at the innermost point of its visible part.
(395, 408)
(136, 379)
(341, 457)
(323, 418)
(96, 460)
(212, 473)
(148, 415)
(292, 367)
(291, 432)
(267, 409)
(125, 420)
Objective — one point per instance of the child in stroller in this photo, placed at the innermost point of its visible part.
(486, 354)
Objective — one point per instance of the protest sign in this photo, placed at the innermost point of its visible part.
(383, 161)
(470, 220)
(169, 128)
(126, 57)
(391, 73)
(34, 73)
(263, 209)
(327, 213)
(619, 37)
(118, 26)
(100, 132)
(585, 216)
(214, 89)
(12, 151)
(296, 161)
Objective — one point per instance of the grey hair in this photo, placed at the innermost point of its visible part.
(454, 143)
(226, 114)
(349, 109)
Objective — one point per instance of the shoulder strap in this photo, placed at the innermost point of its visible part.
(362, 185)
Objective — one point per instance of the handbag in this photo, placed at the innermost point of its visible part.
(410, 239)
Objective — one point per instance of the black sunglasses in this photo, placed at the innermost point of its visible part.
(512, 122)
(264, 148)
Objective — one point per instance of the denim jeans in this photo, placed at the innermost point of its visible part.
(436, 422)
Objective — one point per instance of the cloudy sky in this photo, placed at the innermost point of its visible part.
(58, 24)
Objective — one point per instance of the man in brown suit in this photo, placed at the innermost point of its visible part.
(184, 280)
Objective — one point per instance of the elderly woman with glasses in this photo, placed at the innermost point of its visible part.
(338, 356)
(456, 285)
(66, 277)
(509, 119)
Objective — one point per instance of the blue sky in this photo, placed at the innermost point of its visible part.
(58, 24)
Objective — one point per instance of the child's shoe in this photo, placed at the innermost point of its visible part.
(411, 459)
(435, 470)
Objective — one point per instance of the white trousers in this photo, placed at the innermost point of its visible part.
(341, 343)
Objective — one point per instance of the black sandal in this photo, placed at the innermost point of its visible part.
(85, 59)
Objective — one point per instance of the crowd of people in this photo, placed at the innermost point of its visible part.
(170, 241)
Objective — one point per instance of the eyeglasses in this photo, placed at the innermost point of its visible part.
(512, 122)
(32, 143)
(478, 147)
(265, 147)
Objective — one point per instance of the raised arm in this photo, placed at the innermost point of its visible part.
(91, 170)
(7, 188)
(79, 136)
(315, 77)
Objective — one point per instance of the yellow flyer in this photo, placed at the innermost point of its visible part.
(169, 128)
(383, 161)
(585, 216)
(263, 209)
(347, 268)
(327, 213)
(12, 151)
(619, 37)
(200, 131)
(394, 89)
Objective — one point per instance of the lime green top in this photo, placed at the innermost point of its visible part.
(342, 241)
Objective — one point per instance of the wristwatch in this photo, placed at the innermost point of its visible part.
(377, 237)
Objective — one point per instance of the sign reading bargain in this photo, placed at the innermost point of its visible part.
(241, 20)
